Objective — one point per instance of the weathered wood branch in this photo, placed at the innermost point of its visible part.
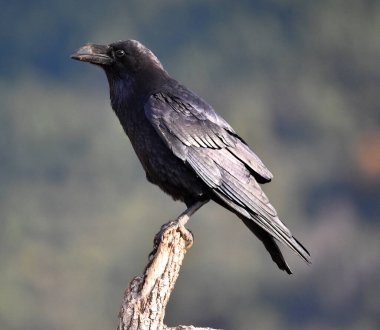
(146, 297)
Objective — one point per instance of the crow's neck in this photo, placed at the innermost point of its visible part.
(122, 93)
(129, 94)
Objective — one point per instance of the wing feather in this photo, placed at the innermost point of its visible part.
(205, 141)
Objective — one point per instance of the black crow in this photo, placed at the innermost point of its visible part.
(184, 146)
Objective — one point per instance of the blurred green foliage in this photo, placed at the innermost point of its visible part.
(299, 80)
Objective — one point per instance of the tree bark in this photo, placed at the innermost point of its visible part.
(146, 297)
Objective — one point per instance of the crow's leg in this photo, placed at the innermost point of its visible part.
(180, 223)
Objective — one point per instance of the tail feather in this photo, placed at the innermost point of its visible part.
(269, 243)
(250, 220)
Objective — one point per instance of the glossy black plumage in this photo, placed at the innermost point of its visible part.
(185, 147)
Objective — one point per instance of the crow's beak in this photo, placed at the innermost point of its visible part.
(95, 54)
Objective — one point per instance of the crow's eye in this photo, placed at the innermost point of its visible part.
(120, 53)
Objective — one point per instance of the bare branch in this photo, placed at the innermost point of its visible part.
(145, 300)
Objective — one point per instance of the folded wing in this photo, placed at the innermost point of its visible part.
(207, 143)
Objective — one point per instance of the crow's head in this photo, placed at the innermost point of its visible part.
(119, 58)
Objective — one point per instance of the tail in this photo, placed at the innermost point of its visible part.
(269, 243)
(265, 237)
(272, 247)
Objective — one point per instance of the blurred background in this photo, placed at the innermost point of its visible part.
(299, 80)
